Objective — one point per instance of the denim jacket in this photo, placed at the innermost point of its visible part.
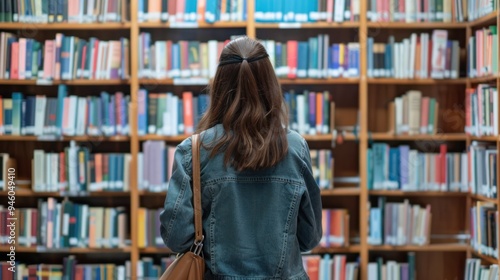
(255, 223)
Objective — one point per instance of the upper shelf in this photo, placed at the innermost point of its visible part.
(65, 26)
(79, 82)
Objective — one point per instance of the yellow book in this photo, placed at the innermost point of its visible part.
(141, 223)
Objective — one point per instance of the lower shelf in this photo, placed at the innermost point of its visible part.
(454, 247)
(6, 249)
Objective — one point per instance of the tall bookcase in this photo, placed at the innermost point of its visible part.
(443, 259)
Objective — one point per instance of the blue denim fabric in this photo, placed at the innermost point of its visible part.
(255, 223)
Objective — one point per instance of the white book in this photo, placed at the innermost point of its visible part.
(54, 157)
(410, 10)
(439, 39)
(72, 167)
(301, 114)
(40, 104)
(339, 10)
(212, 58)
(413, 46)
(405, 58)
(140, 171)
(271, 48)
(373, 271)
(39, 171)
(326, 42)
(70, 128)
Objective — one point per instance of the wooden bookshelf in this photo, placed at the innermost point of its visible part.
(65, 26)
(357, 91)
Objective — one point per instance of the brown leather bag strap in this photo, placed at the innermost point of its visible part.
(198, 228)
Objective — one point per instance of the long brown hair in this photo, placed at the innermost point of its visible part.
(246, 98)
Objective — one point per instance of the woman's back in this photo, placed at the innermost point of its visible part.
(261, 205)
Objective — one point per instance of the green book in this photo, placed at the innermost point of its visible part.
(326, 112)
(432, 112)
(17, 98)
(161, 109)
(494, 47)
(369, 161)
(411, 266)
(194, 58)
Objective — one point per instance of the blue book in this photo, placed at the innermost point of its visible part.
(23, 117)
(394, 167)
(180, 117)
(17, 99)
(105, 112)
(62, 92)
(65, 58)
(379, 162)
(302, 59)
(404, 151)
(112, 117)
(369, 49)
(375, 237)
(142, 121)
(387, 60)
(190, 11)
(29, 59)
(313, 58)
(176, 60)
(335, 58)
(211, 10)
(30, 115)
(7, 116)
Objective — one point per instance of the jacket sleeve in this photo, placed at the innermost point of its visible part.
(309, 227)
(177, 222)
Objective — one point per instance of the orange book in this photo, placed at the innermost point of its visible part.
(187, 103)
(22, 59)
(141, 222)
(292, 50)
(14, 62)
(312, 264)
(98, 170)
(62, 168)
(424, 115)
(201, 10)
(336, 228)
(418, 54)
(224, 15)
(319, 112)
(154, 10)
(93, 227)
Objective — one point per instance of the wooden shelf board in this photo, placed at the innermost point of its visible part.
(79, 82)
(177, 138)
(490, 19)
(425, 248)
(484, 199)
(393, 81)
(484, 138)
(416, 193)
(347, 191)
(29, 193)
(119, 138)
(319, 25)
(220, 24)
(334, 250)
(487, 79)
(65, 26)
(337, 81)
(486, 258)
(327, 137)
(155, 250)
(19, 249)
(417, 25)
(150, 194)
(422, 137)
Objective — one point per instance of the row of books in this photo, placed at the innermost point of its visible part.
(64, 224)
(77, 170)
(482, 169)
(334, 267)
(479, 8)
(64, 58)
(475, 271)
(147, 269)
(417, 11)
(393, 270)
(482, 52)
(484, 228)
(182, 59)
(307, 11)
(413, 114)
(149, 228)
(168, 114)
(44, 11)
(310, 112)
(314, 58)
(399, 224)
(175, 11)
(417, 57)
(68, 270)
(481, 110)
(407, 169)
(335, 224)
(322, 167)
(72, 115)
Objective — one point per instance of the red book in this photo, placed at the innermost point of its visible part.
(329, 10)
(313, 267)
(402, 11)
(84, 59)
(78, 272)
(292, 51)
(118, 109)
(169, 55)
(94, 59)
(468, 110)
(14, 61)
(424, 120)
(62, 168)
(187, 103)
(34, 225)
(172, 9)
(48, 62)
(443, 164)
